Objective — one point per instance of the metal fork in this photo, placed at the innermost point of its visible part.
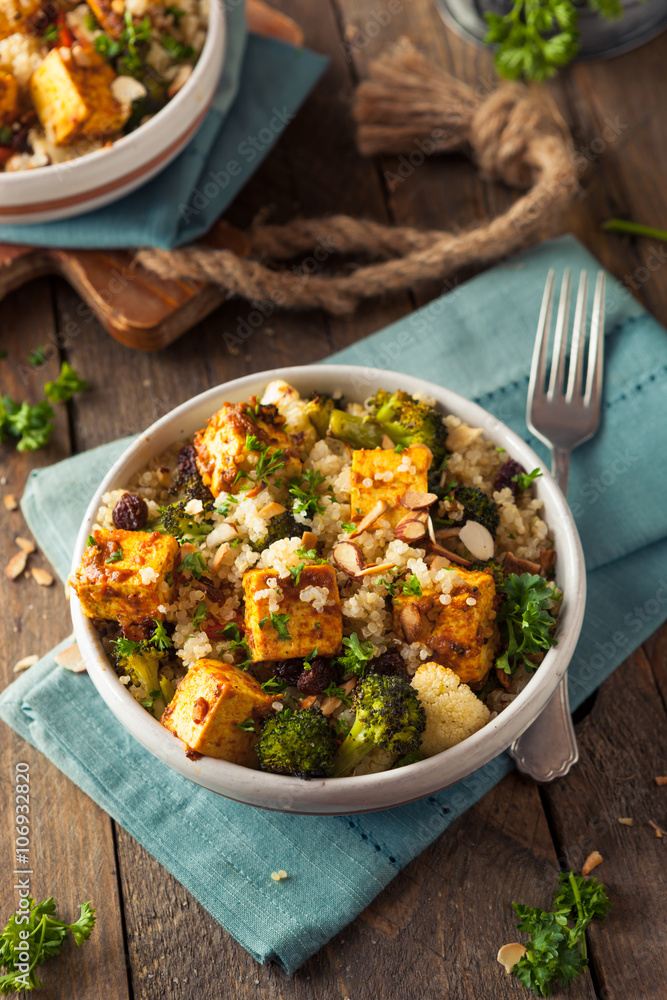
(563, 414)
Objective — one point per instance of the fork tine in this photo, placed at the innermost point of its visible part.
(539, 362)
(560, 338)
(576, 352)
(593, 393)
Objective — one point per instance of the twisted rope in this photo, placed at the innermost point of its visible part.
(405, 100)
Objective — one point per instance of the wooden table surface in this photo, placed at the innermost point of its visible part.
(434, 932)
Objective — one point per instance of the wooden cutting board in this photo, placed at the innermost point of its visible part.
(136, 307)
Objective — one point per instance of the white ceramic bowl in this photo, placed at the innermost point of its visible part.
(67, 189)
(339, 796)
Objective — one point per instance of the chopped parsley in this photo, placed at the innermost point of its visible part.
(160, 641)
(349, 528)
(268, 462)
(66, 385)
(195, 562)
(45, 933)
(176, 13)
(176, 49)
(412, 586)
(356, 656)
(248, 726)
(295, 572)
(115, 556)
(274, 685)
(90, 540)
(307, 500)
(237, 644)
(279, 623)
(32, 425)
(200, 615)
(399, 448)
(37, 357)
(524, 479)
(308, 660)
(332, 690)
(52, 33)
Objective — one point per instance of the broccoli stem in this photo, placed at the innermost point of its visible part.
(352, 751)
(356, 431)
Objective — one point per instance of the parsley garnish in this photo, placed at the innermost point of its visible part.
(176, 49)
(248, 726)
(295, 572)
(46, 935)
(237, 643)
(52, 33)
(159, 638)
(115, 556)
(37, 357)
(268, 461)
(279, 623)
(306, 499)
(526, 624)
(308, 660)
(90, 540)
(32, 425)
(412, 586)
(349, 528)
(274, 685)
(195, 562)
(225, 506)
(524, 479)
(534, 38)
(201, 612)
(356, 656)
(399, 448)
(311, 554)
(127, 45)
(176, 13)
(66, 385)
(332, 690)
(556, 951)
(160, 641)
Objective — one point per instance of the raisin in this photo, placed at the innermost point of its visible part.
(186, 464)
(289, 671)
(322, 672)
(506, 474)
(139, 631)
(389, 664)
(130, 513)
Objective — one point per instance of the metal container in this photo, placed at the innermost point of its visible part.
(599, 38)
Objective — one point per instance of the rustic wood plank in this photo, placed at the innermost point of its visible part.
(71, 850)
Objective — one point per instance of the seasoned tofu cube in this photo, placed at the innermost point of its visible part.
(381, 474)
(308, 615)
(15, 15)
(209, 705)
(223, 457)
(72, 101)
(462, 634)
(125, 576)
(9, 98)
(112, 22)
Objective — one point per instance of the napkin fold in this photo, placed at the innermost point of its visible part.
(476, 340)
(263, 84)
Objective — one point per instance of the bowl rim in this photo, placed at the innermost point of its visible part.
(216, 35)
(363, 793)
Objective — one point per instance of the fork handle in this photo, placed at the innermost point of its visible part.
(560, 467)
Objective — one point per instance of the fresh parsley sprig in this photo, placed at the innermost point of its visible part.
(534, 39)
(307, 500)
(46, 935)
(356, 656)
(279, 623)
(556, 951)
(525, 622)
(32, 426)
(524, 479)
(237, 644)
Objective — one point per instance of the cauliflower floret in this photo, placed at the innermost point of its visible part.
(453, 711)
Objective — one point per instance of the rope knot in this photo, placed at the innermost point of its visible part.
(501, 131)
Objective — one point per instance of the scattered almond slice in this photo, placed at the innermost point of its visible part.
(443, 533)
(70, 658)
(415, 500)
(26, 662)
(219, 556)
(626, 820)
(16, 565)
(309, 540)
(376, 568)
(410, 529)
(25, 544)
(592, 861)
(348, 557)
(510, 954)
(349, 686)
(661, 779)
(42, 577)
(431, 529)
(224, 532)
(659, 832)
(329, 705)
(387, 443)
(451, 556)
(462, 436)
(376, 511)
(478, 540)
(10, 501)
(438, 562)
(271, 510)
(411, 622)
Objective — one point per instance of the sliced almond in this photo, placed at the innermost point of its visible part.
(626, 820)
(387, 443)
(224, 532)
(179, 81)
(349, 686)
(349, 558)
(329, 705)
(462, 436)
(659, 832)
(271, 510)
(16, 565)
(414, 500)
(255, 491)
(410, 529)
(430, 528)
(70, 658)
(25, 544)
(661, 780)
(438, 563)
(411, 622)
(26, 662)
(309, 540)
(478, 540)
(452, 556)
(510, 954)
(443, 533)
(592, 861)
(186, 548)
(9, 501)
(42, 577)
(219, 557)
(376, 568)
(376, 511)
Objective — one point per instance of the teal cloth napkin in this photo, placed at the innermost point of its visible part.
(476, 340)
(263, 84)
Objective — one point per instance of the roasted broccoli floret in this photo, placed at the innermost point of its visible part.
(319, 409)
(494, 568)
(301, 743)
(477, 506)
(281, 526)
(389, 715)
(142, 666)
(408, 421)
(176, 521)
(358, 432)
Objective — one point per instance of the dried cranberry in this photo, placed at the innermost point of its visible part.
(130, 513)
(289, 671)
(389, 664)
(186, 464)
(506, 474)
(322, 672)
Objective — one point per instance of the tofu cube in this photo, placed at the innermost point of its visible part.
(367, 488)
(209, 704)
(305, 627)
(112, 22)
(221, 446)
(462, 636)
(15, 15)
(130, 588)
(72, 101)
(9, 98)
